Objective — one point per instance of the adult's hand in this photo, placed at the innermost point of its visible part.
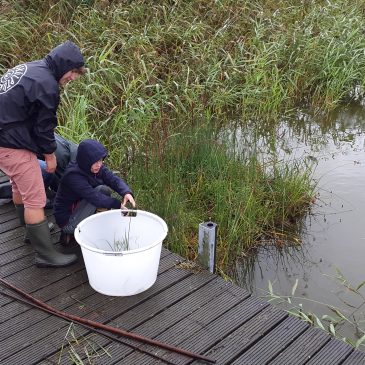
(51, 162)
(128, 198)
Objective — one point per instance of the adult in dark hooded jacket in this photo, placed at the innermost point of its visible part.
(84, 188)
(29, 98)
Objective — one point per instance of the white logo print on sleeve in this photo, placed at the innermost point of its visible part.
(12, 77)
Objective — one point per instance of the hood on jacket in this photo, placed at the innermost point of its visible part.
(65, 57)
(89, 152)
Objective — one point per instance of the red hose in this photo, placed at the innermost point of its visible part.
(104, 327)
(102, 333)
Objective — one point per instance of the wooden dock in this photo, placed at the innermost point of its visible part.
(186, 307)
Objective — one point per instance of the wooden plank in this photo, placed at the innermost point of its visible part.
(306, 346)
(208, 325)
(204, 316)
(3, 179)
(272, 343)
(14, 267)
(8, 216)
(15, 253)
(14, 309)
(22, 258)
(42, 292)
(5, 208)
(13, 242)
(134, 358)
(162, 301)
(247, 335)
(8, 246)
(228, 348)
(19, 317)
(206, 337)
(58, 288)
(187, 305)
(18, 232)
(144, 310)
(96, 307)
(169, 317)
(333, 353)
(9, 225)
(196, 311)
(356, 358)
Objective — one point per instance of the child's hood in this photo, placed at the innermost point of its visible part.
(89, 152)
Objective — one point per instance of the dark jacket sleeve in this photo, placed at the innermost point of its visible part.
(80, 186)
(45, 121)
(114, 181)
(65, 153)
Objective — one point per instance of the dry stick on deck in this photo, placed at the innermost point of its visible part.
(104, 327)
(102, 333)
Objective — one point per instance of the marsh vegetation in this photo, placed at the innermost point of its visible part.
(167, 77)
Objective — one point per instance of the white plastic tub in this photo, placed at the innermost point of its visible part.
(113, 268)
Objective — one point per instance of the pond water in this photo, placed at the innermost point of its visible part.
(333, 241)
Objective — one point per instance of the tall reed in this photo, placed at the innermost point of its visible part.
(256, 59)
(163, 74)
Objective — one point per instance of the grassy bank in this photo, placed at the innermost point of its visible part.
(195, 179)
(166, 76)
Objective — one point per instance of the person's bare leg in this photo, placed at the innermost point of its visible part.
(34, 215)
(17, 198)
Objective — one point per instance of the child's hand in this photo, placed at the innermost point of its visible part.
(128, 198)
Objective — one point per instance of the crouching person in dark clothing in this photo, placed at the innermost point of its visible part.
(65, 153)
(85, 186)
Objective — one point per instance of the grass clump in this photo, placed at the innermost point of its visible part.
(81, 349)
(195, 179)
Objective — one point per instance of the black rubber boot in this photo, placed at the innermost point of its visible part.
(46, 255)
(19, 208)
(67, 239)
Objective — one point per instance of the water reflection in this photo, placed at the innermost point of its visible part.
(333, 240)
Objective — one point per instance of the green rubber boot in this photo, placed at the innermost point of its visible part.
(46, 255)
(19, 208)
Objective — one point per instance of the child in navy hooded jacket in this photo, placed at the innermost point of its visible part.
(82, 188)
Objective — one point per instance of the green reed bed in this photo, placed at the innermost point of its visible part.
(196, 179)
(15, 32)
(261, 58)
(160, 70)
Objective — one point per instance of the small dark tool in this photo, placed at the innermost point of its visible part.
(129, 213)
